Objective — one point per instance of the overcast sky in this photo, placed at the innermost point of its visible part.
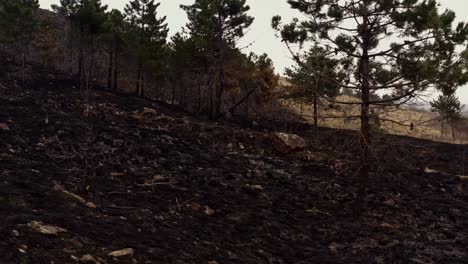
(261, 38)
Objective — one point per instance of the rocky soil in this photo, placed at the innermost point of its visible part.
(127, 180)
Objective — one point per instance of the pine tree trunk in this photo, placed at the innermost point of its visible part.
(441, 130)
(142, 83)
(365, 119)
(110, 69)
(116, 70)
(184, 94)
(138, 80)
(453, 132)
(80, 57)
(219, 97)
(199, 98)
(211, 106)
(24, 68)
(315, 110)
(174, 93)
(82, 72)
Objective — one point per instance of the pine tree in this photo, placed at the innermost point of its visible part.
(449, 109)
(216, 26)
(17, 25)
(307, 78)
(182, 63)
(115, 34)
(264, 76)
(90, 18)
(87, 19)
(406, 46)
(147, 34)
(17, 21)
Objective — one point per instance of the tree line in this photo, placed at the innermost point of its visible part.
(200, 68)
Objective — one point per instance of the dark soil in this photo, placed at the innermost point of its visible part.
(178, 189)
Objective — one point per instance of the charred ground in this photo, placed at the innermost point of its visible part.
(178, 189)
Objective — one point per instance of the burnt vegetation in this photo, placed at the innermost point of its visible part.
(122, 144)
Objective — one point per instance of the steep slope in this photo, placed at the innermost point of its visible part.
(129, 173)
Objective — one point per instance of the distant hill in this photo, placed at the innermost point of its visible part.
(415, 121)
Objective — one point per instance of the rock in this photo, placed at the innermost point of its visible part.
(159, 178)
(122, 254)
(87, 259)
(75, 258)
(46, 229)
(287, 143)
(430, 171)
(455, 212)
(4, 127)
(15, 233)
(76, 243)
(208, 211)
(390, 202)
(148, 112)
(195, 207)
(213, 262)
(334, 248)
(257, 187)
(387, 225)
(90, 205)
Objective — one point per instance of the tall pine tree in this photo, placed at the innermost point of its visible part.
(147, 34)
(405, 46)
(216, 26)
(115, 39)
(306, 76)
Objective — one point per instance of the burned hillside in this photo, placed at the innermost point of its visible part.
(122, 144)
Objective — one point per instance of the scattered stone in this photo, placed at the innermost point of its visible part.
(387, 225)
(148, 112)
(15, 233)
(88, 259)
(430, 171)
(159, 178)
(4, 127)
(195, 207)
(46, 229)
(454, 212)
(257, 187)
(287, 143)
(74, 258)
(90, 205)
(123, 253)
(76, 243)
(22, 251)
(390, 202)
(208, 211)
(333, 247)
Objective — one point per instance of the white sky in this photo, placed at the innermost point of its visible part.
(261, 38)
